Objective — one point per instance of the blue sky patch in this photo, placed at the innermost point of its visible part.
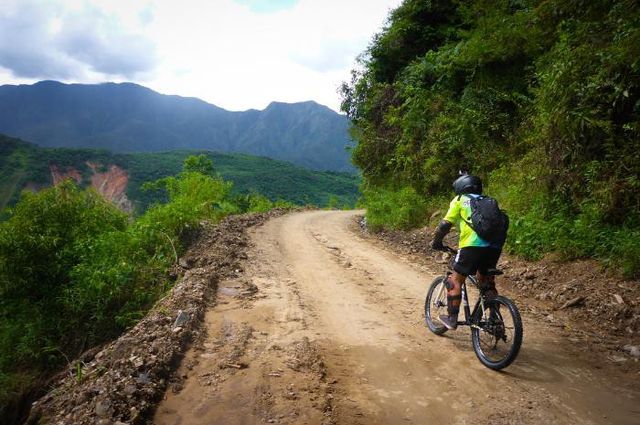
(267, 6)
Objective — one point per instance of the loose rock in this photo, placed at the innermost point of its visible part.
(181, 319)
(102, 408)
(573, 302)
(633, 350)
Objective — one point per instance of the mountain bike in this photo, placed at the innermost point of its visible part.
(496, 326)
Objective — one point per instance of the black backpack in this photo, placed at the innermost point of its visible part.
(488, 220)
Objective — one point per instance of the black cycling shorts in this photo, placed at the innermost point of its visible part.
(472, 259)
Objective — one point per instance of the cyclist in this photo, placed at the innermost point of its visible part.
(474, 253)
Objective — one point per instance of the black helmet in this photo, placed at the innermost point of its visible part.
(467, 183)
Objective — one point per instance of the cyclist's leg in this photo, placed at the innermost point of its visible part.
(454, 293)
(487, 285)
(464, 265)
(488, 260)
(454, 298)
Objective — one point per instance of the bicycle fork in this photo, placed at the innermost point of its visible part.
(465, 305)
(443, 288)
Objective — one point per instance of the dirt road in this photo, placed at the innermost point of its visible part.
(324, 326)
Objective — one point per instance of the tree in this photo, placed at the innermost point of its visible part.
(198, 164)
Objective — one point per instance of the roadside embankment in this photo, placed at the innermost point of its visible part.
(121, 382)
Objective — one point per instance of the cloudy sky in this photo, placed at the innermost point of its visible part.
(237, 54)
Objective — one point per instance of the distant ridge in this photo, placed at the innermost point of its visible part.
(126, 117)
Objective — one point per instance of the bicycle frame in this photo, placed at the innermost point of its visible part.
(495, 342)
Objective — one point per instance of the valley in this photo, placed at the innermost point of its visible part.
(120, 177)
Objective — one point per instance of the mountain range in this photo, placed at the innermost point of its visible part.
(126, 117)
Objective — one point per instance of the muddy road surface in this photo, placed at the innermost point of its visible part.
(324, 326)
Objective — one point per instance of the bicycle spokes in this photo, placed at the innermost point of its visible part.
(496, 326)
(436, 305)
(498, 334)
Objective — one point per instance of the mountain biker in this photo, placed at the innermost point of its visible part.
(474, 253)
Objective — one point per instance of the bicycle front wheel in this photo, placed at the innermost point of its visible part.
(436, 304)
(497, 334)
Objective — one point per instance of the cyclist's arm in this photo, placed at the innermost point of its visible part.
(445, 225)
(441, 231)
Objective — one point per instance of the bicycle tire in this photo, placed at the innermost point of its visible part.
(434, 324)
(492, 328)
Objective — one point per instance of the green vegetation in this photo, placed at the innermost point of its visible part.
(75, 271)
(396, 209)
(26, 165)
(539, 98)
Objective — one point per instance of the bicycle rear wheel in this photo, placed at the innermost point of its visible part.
(436, 304)
(497, 334)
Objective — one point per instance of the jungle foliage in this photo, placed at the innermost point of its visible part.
(539, 98)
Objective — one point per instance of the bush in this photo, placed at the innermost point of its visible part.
(75, 272)
(47, 235)
(542, 223)
(573, 236)
(116, 282)
(394, 209)
(192, 197)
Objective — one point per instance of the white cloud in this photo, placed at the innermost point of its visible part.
(72, 40)
(219, 50)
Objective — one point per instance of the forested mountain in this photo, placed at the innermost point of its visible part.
(539, 98)
(120, 177)
(130, 118)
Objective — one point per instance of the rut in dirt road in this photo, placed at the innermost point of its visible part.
(326, 327)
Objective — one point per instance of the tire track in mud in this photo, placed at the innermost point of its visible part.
(334, 334)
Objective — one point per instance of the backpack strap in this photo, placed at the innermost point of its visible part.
(471, 196)
(468, 223)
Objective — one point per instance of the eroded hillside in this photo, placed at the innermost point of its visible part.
(110, 181)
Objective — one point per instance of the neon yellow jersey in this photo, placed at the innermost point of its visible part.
(459, 209)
